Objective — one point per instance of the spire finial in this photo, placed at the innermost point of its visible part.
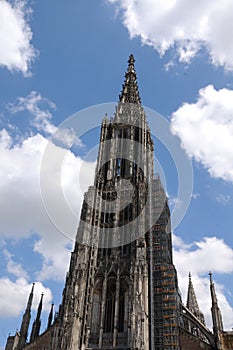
(129, 93)
(211, 280)
(131, 58)
(131, 61)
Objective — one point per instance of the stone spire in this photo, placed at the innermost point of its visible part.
(37, 323)
(216, 315)
(129, 93)
(192, 303)
(50, 318)
(25, 322)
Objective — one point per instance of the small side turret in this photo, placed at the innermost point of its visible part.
(216, 315)
(192, 303)
(37, 323)
(25, 322)
(50, 318)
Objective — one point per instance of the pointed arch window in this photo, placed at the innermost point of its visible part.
(110, 306)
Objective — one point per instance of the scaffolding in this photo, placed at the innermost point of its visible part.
(164, 288)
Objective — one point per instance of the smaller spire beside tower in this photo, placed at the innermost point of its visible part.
(37, 323)
(25, 321)
(50, 318)
(192, 303)
(216, 315)
(130, 93)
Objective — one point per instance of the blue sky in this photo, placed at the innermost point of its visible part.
(58, 58)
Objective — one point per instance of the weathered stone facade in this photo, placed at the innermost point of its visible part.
(227, 340)
(121, 290)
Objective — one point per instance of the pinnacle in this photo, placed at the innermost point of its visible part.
(192, 303)
(216, 313)
(130, 93)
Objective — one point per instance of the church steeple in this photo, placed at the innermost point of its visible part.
(216, 314)
(37, 323)
(25, 321)
(192, 303)
(130, 93)
(121, 290)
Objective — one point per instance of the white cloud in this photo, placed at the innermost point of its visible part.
(185, 25)
(38, 107)
(22, 212)
(40, 110)
(202, 257)
(55, 257)
(14, 296)
(202, 126)
(16, 50)
(14, 268)
(5, 139)
(67, 137)
(223, 198)
(195, 195)
(22, 206)
(169, 65)
(199, 258)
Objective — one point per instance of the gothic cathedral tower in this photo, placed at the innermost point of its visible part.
(121, 289)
